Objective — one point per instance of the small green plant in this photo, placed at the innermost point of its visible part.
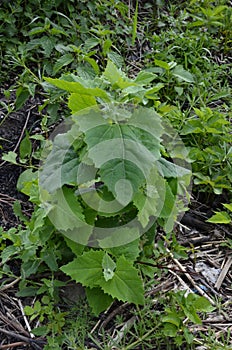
(164, 322)
(44, 310)
(212, 156)
(210, 17)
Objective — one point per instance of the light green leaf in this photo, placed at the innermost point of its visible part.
(169, 202)
(183, 74)
(134, 90)
(106, 46)
(126, 285)
(228, 206)
(86, 269)
(147, 207)
(77, 102)
(149, 93)
(220, 218)
(188, 335)
(39, 222)
(112, 73)
(98, 300)
(10, 157)
(162, 64)
(173, 318)
(193, 126)
(93, 63)
(108, 266)
(37, 137)
(18, 211)
(144, 78)
(203, 304)
(72, 86)
(116, 76)
(179, 90)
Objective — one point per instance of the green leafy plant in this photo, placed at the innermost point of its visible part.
(188, 306)
(177, 63)
(139, 188)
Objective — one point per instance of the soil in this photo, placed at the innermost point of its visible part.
(12, 130)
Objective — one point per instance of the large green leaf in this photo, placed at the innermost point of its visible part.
(60, 166)
(86, 269)
(65, 211)
(123, 179)
(126, 285)
(168, 169)
(98, 300)
(147, 119)
(121, 133)
(124, 154)
(130, 250)
(117, 238)
(115, 121)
